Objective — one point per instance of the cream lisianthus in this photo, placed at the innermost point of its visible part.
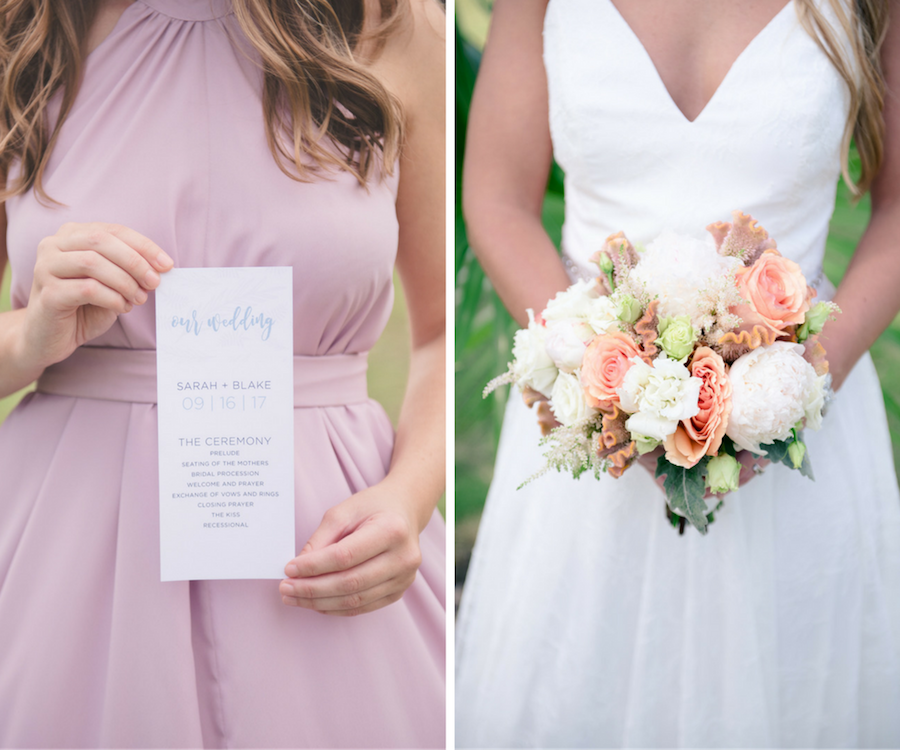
(658, 396)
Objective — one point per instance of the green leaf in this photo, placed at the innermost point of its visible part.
(728, 446)
(806, 467)
(777, 452)
(685, 489)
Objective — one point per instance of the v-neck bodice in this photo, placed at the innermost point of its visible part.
(758, 38)
(767, 143)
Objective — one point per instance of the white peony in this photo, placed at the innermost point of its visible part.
(567, 402)
(566, 342)
(815, 403)
(582, 301)
(658, 397)
(675, 269)
(532, 366)
(771, 389)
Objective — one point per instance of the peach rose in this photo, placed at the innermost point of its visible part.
(702, 434)
(777, 291)
(606, 360)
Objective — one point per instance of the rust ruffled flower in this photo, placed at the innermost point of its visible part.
(743, 238)
(614, 442)
(647, 328)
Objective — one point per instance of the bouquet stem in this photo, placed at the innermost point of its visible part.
(675, 519)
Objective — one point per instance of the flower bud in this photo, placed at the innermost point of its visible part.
(723, 473)
(628, 309)
(815, 320)
(816, 317)
(645, 444)
(677, 336)
(605, 262)
(796, 451)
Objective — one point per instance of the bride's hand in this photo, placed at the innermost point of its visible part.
(648, 461)
(85, 276)
(751, 465)
(363, 556)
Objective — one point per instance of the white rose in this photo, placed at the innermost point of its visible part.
(574, 302)
(582, 301)
(815, 402)
(602, 314)
(658, 396)
(566, 342)
(567, 402)
(531, 365)
(771, 388)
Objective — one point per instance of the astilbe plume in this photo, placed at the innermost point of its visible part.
(571, 450)
(506, 378)
(716, 302)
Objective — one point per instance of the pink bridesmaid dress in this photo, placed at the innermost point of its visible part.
(167, 137)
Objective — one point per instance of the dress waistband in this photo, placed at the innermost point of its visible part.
(130, 375)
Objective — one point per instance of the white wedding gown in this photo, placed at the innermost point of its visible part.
(586, 619)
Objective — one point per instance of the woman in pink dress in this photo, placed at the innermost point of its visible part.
(159, 133)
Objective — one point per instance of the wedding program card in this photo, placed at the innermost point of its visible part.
(225, 387)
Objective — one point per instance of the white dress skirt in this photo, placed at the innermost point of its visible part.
(586, 619)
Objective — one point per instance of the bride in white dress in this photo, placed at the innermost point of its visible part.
(586, 619)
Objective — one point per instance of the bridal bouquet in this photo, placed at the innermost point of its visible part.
(699, 347)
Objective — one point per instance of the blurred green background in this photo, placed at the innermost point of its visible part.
(484, 329)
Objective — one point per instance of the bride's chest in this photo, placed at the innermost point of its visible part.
(692, 44)
(778, 115)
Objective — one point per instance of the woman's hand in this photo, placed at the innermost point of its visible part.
(365, 553)
(85, 276)
(751, 466)
(363, 556)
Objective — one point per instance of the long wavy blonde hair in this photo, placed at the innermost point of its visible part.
(316, 89)
(864, 24)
